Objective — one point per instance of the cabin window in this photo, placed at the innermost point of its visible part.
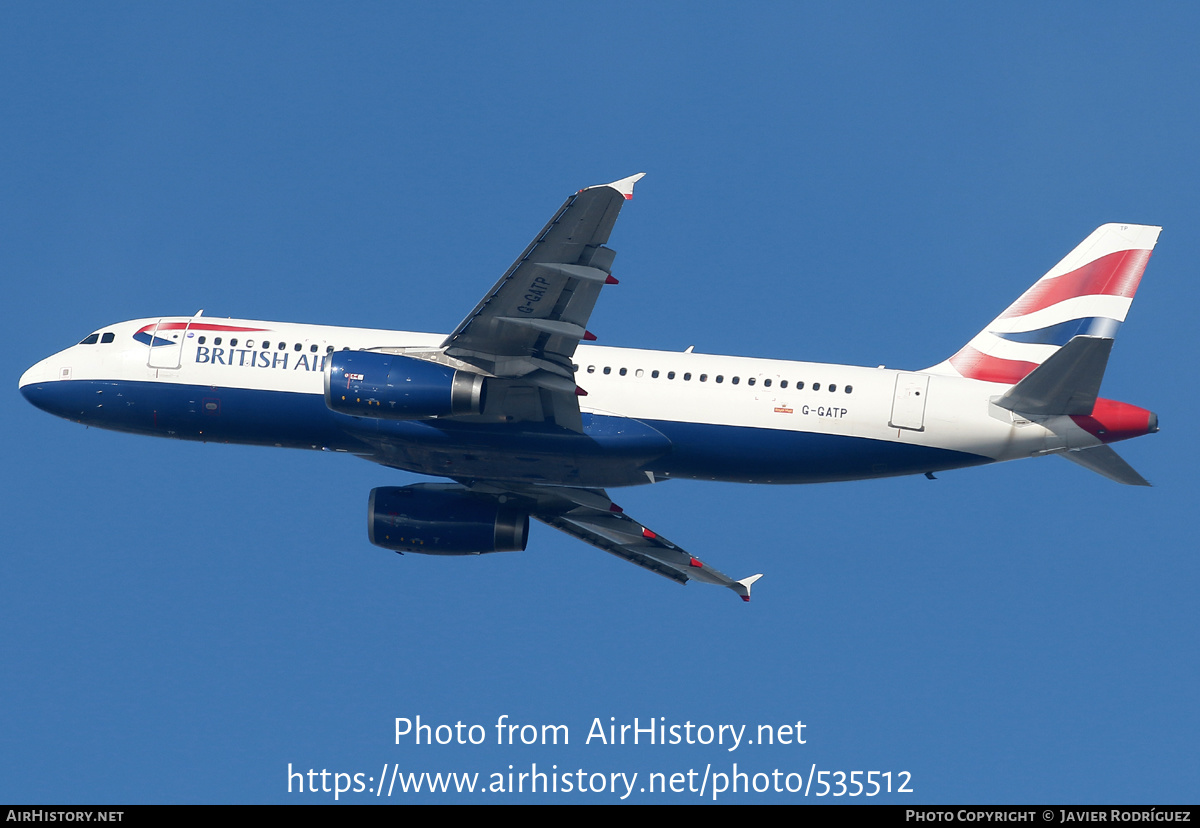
(654, 374)
(282, 346)
(233, 343)
(720, 378)
(816, 386)
(832, 387)
(591, 369)
(312, 348)
(624, 371)
(736, 380)
(750, 381)
(704, 377)
(848, 388)
(766, 383)
(200, 341)
(783, 383)
(607, 369)
(670, 375)
(638, 372)
(800, 385)
(299, 347)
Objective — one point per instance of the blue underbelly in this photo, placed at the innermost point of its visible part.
(756, 455)
(612, 451)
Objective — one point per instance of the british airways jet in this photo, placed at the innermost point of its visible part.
(527, 421)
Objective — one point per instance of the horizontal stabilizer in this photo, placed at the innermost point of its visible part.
(1103, 460)
(1067, 383)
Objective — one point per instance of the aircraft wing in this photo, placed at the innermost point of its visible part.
(525, 330)
(591, 516)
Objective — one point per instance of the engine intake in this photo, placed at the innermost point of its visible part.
(395, 387)
(433, 520)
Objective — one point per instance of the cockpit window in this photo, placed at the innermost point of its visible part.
(91, 340)
(107, 338)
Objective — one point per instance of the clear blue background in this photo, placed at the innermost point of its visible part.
(862, 183)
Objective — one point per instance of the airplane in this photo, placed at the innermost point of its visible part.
(526, 420)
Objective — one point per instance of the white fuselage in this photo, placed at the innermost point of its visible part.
(690, 397)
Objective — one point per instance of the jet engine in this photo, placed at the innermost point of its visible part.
(395, 387)
(442, 519)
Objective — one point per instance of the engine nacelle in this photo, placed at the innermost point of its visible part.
(432, 520)
(395, 387)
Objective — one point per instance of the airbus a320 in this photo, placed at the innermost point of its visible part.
(527, 420)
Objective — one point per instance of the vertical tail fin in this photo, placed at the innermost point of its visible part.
(1088, 293)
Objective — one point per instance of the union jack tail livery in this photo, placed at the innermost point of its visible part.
(1088, 293)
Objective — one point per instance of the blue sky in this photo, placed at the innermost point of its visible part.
(866, 183)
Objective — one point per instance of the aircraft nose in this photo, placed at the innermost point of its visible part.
(1152, 426)
(36, 385)
(34, 374)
